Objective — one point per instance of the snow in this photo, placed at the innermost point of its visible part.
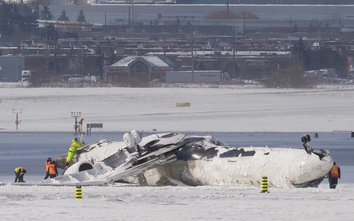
(175, 203)
(224, 109)
(212, 109)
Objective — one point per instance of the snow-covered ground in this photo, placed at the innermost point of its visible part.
(326, 109)
(211, 109)
(176, 203)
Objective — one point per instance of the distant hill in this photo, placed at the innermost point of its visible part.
(312, 2)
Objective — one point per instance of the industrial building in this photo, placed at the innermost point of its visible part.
(334, 2)
(11, 67)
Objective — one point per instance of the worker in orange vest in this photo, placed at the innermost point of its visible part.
(46, 165)
(333, 176)
(53, 171)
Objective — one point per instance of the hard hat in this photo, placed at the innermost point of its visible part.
(76, 139)
(49, 159)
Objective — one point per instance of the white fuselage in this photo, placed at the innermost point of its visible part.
(283, 168)
(209, 162)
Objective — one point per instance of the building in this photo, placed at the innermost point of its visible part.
(314, 2)
(246, 64)
(138, 69)
(11, 67)
(59, 65)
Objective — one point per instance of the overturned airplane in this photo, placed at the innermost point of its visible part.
(171, 158)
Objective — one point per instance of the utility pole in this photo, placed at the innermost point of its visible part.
(46, 35)
(133, 12)
(192, 56)
(55, 53)
(105, 17)
(227, 8)
(164, 39)
(340, 36)
(76, 115)
(244, 25)
(46, 44)
(233, 52)
(17, 122)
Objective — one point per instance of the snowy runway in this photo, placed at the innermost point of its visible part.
(226, 109)
(176, 203)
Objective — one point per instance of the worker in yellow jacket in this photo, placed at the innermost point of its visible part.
(19, 172)
(75, 143)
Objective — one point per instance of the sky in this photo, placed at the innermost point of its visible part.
(224, 109)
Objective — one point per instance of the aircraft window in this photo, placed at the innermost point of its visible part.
(237, 153)
(248, 153)
(195, 153)
(85, 166)
(149, 146)
(168, 135)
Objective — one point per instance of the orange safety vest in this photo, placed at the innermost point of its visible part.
(334, 171)
(52, 169)
(46, 164)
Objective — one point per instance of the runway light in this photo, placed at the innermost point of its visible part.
(78, 194)
(264, 185)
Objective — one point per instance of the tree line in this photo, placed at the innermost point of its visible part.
(323, 57)
(21, 19)
(46, 14)
(17, 15)
(306, 59)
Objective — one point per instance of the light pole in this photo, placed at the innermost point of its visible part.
(192, 55)
(76, 115)
(46, 44)
(244, 25)
(233, 52)
(133, 12)
(17, 122)
(227, 8)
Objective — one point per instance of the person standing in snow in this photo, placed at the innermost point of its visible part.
(19, 172)
(333, 176)
(74, 145)
(46, 165)
(53, 170)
